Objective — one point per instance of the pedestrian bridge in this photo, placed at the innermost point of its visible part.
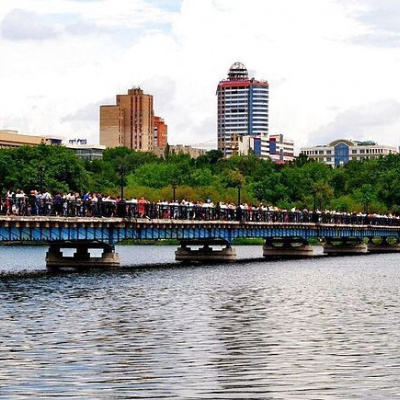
(281, 238)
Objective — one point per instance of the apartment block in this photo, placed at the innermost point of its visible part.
(130, 122)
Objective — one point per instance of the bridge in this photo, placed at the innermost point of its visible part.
(200, 240)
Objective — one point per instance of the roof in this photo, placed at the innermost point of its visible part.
(237, 71)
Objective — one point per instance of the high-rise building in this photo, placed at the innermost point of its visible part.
(242, 109)
(160, 133)
(130, 122)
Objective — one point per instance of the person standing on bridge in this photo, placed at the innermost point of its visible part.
(142, 207)
(58, 204)
(9, 201)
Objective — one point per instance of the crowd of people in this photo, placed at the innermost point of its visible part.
(90, 204)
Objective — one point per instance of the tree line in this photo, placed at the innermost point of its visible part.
(366, 185)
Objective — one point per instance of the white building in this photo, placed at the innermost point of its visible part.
(86, 151)
(276, 147)
(342, 151)
(280, 148)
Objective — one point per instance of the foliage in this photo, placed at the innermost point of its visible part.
(367, 185)
(53, 168)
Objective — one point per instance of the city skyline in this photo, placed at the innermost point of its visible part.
(331, 65)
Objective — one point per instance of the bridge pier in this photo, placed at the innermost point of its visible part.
(344, 246)
(287, 247)
(204, 251)
(383, 245)
(55, 260)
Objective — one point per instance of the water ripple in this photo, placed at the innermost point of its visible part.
(320, 329)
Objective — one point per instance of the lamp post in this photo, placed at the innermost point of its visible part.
(239, 188)
(314, 215)
(122, 172)
(41, 174)
(174, 185)
(366, 198)
(314, 194)
(260, 194)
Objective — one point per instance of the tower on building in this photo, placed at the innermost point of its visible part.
(242, 110)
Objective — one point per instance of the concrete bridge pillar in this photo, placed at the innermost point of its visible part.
(383, 245)
(344, 246)
(287, 247)
(55, 260)
(205, 250)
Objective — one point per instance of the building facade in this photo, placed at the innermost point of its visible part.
(84, 150)
(160, 133)
(11, 138)
(242, 109)
(179, 149)
(340, 152)
(130, 122)
(275, 147)
(184, 149)
(112, 126)
(280, 148)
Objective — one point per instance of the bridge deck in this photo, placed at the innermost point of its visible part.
(113, 230)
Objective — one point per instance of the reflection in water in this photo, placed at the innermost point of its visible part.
(325, 328)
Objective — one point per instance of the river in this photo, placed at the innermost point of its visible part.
(325, 328)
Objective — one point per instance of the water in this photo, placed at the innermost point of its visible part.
(318, 329)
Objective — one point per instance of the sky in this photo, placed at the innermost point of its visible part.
(333, 66)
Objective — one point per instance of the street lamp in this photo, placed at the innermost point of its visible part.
(239, 187)
(122, 172)
(174, 184)
(260, 194)
(314, 215)
(366, 199)
(314, 194)
(41, 169)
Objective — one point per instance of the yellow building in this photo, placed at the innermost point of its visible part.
(11, 138)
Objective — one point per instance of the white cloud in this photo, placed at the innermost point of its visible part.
(366, 122)
(25, 25)
(317, 56)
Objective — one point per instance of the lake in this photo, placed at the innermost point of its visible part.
(325, 328)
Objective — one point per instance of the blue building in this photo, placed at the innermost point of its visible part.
(242, 109)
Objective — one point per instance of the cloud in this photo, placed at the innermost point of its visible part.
(381, 15)
(167, 5)
(370, 121)
(82, 28)
(88, 113)
(382, 20)
(26, 25)
(379, 39)
(178, 51)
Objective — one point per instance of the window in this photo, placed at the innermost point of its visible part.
(341, 154)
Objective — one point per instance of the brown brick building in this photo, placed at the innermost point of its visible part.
(160, 133)
(130, 122)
